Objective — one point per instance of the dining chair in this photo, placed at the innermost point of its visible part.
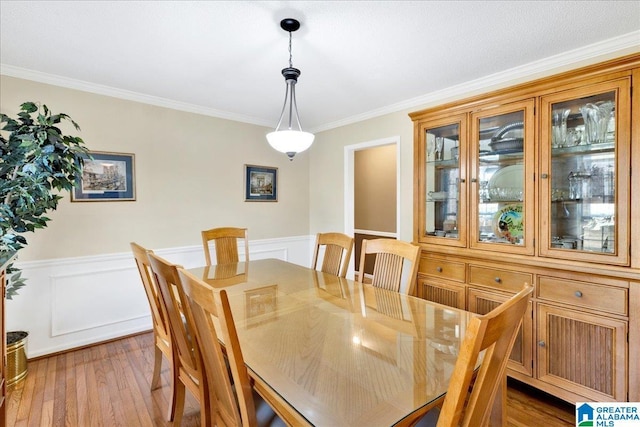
(494, 333)
(389, 266)
(226, 244)
(239, 405)
(337, 253)
(161, 329)
(188, 369)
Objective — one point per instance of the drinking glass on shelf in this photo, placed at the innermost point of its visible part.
(559, 127)
(439, 147)
(431, 147)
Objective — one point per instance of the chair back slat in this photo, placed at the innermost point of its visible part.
(226, 244)
(387, 271)
(337, 253)
(395, 260)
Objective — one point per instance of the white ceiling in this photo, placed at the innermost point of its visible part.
(358, 58)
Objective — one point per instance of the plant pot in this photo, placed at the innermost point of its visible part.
(16, 357)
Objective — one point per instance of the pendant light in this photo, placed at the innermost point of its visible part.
(288, 137)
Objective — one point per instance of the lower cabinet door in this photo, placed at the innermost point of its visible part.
(583, 353)
(442, 293)
(521, 358)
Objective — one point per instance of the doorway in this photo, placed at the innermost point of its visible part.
(372, 192)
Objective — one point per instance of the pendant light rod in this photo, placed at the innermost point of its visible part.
(291, 140)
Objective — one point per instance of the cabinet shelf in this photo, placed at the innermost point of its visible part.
(500, 157)
(444, 164)
(605, 147)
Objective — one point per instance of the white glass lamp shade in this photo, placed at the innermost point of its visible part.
(289, 141)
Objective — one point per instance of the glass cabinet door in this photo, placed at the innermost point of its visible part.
(443, 198)
(585, 173)
(502, 185)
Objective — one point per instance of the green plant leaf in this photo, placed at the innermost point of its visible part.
(35, 160)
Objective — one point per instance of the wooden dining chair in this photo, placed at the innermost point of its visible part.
(161, 329)
(239, 405)
(337, 253)
(188, 369)
(389, 267)
(226, 244)
(494, 333)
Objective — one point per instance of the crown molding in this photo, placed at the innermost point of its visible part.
(591, 54)
(55, 80)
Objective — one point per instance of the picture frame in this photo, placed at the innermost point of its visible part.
(261, 305)
(106, 177)
(260, 183)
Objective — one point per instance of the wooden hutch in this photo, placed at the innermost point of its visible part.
(533, 184)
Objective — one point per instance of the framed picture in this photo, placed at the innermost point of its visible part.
(106, 177)
(261, 305)
(260, 184)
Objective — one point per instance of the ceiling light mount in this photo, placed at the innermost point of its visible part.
(290, 25)
(290, 139)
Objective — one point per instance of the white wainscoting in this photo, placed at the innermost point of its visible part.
(72, 302)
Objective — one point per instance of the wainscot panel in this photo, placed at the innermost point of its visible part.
(72, 302)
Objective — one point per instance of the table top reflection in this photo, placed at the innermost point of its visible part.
(340, 353)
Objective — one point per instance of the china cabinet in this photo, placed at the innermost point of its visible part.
(533, 183)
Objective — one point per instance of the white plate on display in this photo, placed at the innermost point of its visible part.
(508, 177)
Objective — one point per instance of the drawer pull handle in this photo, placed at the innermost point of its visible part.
(439, 269)
(544, 176)
(578, 294)
(498, 280)
(541, 343)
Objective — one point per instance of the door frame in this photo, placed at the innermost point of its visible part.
(349, 187)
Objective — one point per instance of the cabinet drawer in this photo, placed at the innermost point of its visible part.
(589, 295)
(498, 279)
(443, 269)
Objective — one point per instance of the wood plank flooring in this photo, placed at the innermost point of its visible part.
(109, 385)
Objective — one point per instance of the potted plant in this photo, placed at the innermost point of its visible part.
(37, 162)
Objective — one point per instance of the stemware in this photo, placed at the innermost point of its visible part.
(596, 121)
(431, 147)
(439, 147)
(559, 127)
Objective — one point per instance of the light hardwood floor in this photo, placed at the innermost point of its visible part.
(108, 385)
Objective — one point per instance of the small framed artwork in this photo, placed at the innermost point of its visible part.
(261, 305)
(106, 177)
(260, 184)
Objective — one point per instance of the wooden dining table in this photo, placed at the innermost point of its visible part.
(328, 351)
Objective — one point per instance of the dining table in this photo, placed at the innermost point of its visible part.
(328, 351)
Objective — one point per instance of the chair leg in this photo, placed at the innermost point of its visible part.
(206, 411)
(157, 367)
(173, 390)
(176, 408)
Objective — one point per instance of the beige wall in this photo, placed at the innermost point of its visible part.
(375, 189)
(189, 176)
(327, 170)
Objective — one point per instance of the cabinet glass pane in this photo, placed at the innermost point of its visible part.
(500, 174)
(583, 174)
(442, 181)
